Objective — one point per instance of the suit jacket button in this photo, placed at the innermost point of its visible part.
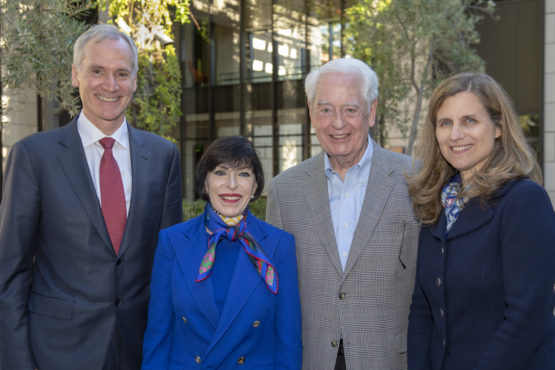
(241, 360)
(118, 262)
(342, 295)
(256, 324)
(184, 319)
(438, 282)
(334, 343)
(441, 313)
(197, 359)
(118, 302)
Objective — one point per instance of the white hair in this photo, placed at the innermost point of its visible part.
(101, 32)
(347, 66)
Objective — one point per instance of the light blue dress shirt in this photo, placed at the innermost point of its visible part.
(346, 199)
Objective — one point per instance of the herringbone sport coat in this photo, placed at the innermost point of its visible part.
(367, 305)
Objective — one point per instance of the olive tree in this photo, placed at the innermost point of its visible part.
(412, 45)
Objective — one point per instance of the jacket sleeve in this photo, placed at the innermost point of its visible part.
(288, 311)
(420, 324)
(527, 238)
(19, 220)
(172, 211)
(158, 335)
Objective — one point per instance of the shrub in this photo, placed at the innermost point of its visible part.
(195, 208)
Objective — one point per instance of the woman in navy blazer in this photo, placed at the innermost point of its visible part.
(224, 290)
(484, 292)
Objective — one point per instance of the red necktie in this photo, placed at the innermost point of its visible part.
(112, 196)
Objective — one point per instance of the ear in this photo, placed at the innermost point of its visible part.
(310, 113)
(372, 116)
(255, 186)
(498, 131)
(135, 83)
(74, 76)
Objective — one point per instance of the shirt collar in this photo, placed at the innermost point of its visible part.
(364, 161)
(90, 134)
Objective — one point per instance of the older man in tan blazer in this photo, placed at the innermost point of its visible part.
(356, 235)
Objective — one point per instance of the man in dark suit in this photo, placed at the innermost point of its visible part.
(79, 220)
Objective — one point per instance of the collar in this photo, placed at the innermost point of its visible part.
(364, 161)
(90, 134)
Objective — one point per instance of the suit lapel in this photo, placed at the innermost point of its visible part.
(380, 185)
(189, 258)
(244, 280)
(74, 164)
(469, 219)
(316, 193)
(140, 168)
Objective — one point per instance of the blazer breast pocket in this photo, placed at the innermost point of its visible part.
(50, 306)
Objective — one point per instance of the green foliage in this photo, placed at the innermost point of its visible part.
(195, 208)
(412, 45)
(37, 49)
(157, 100)
(258, 208)
(192, 208)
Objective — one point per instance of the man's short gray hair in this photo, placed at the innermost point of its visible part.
(347, 66)
(98, 33)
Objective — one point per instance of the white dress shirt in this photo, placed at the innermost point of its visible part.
(346, 199)
(90, 135)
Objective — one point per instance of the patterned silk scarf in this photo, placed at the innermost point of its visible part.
(238, 234)
(452, 204)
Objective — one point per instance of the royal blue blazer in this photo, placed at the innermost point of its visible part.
(256, 329)
(484, 294)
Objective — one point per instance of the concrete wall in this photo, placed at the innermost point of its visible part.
(19, 117)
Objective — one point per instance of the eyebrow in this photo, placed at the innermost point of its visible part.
(349, 104)
(98, 66)
(473, 116)
(233, 168)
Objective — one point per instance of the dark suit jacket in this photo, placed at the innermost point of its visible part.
(62, 288)
(484, 294)
(256, 329)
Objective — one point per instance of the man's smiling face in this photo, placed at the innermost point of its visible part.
(106, 82)
(341, 118)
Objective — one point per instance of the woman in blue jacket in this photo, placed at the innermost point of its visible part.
(224, 290)
(484, 294)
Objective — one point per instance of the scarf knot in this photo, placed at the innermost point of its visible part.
(237, 233)
(451, 201)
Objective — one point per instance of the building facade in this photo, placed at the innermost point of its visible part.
(244, 63)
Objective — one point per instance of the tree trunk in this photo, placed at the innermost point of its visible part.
(419, 88)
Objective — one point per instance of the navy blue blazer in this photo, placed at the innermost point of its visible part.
(256, 329)
(63, 290)
(484, 295)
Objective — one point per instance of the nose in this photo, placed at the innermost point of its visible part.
(456, 132)
(110, 83)
(337, 121)
(231, 181)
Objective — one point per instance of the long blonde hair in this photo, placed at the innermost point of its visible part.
(511, 157)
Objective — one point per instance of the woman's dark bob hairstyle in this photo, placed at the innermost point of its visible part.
(232, 151)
